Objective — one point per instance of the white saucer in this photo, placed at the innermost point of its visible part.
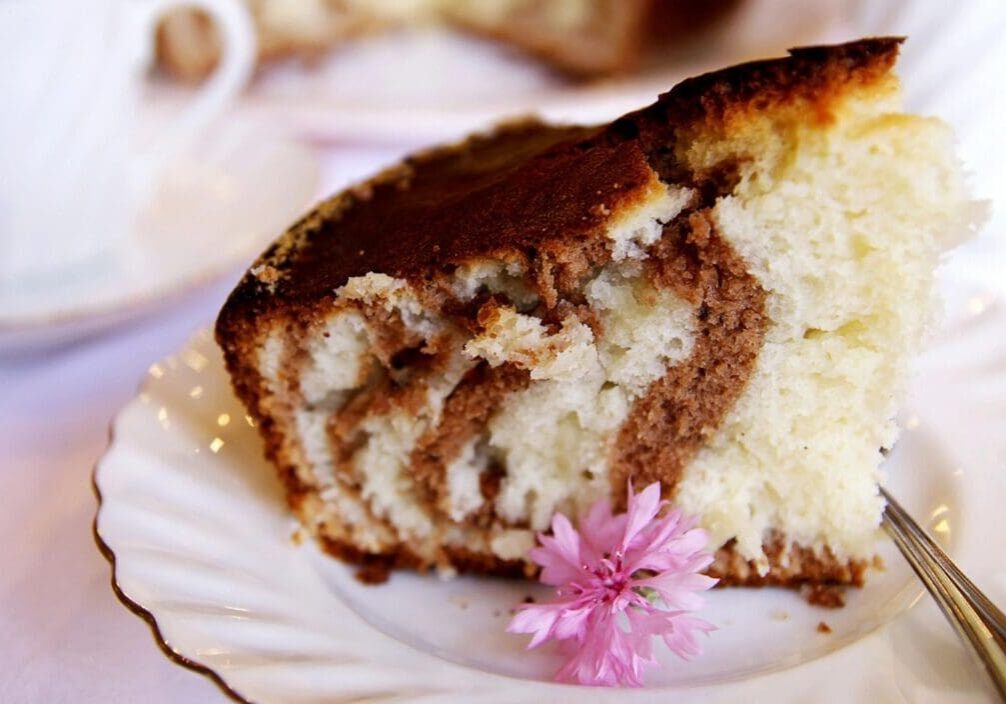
(213, 211)
(195, 524)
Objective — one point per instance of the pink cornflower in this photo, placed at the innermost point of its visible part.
(604, 574)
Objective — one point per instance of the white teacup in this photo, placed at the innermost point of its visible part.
(72, 174)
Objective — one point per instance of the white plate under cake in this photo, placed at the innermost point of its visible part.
(194, 519)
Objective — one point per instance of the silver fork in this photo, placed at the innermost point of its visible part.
(975, 618)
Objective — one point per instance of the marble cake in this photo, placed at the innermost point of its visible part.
(721, 291)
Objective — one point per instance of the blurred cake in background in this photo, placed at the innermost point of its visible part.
(581, 38)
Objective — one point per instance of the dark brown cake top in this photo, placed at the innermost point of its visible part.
(528, 186)
(513, 190)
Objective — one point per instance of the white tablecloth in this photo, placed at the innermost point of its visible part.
(64, 637)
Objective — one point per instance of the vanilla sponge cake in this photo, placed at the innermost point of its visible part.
(721, 291)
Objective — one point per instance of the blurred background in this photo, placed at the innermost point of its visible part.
(149, 149)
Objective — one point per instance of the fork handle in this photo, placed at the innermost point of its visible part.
(972, 614)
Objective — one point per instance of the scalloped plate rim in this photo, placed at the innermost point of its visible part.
(231, 688)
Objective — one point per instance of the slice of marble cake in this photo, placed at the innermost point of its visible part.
(721, 291)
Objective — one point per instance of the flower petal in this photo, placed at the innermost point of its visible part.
(605, 657)
(670, 550)
(681, 638)
(566, 537)
(572, 623)
(600, 531)
(559, 554)
(678, 589)
(642, 509)
(537, 619)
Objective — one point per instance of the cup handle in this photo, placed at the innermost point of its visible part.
(233, 71)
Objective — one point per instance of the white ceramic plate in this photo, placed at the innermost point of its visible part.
(202, 545)
(214, 209)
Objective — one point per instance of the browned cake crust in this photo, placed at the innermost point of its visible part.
(529, 188)
(539, 195)
(800, 567)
